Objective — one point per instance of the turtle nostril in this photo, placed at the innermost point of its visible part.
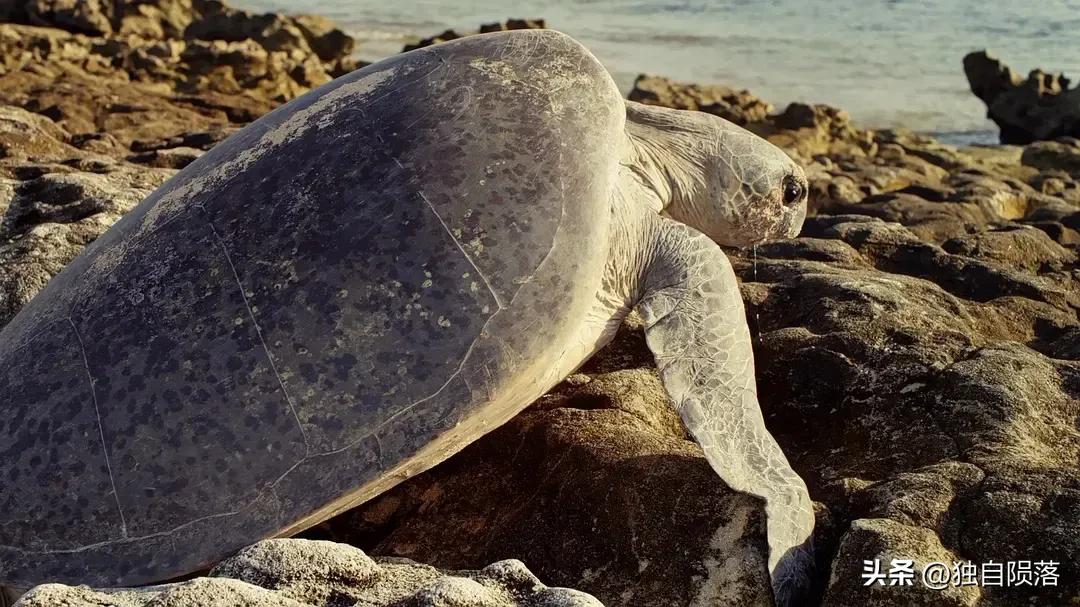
(793, 190)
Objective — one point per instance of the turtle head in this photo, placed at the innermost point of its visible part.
(735, 187)
(754, 192)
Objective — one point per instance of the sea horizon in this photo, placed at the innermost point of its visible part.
(888, 63)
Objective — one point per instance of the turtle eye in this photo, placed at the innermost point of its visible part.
(793, 190)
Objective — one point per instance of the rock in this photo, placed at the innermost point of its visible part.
(26, 136)
(1017, 246)
(323, 36)
(1062, 155)
(305, 573)
(12, 10)
(280, 56)
(603, 491)
(168, 47)
(271, 31)
(83, 16)
(200, 140)
(740, 107)
(168, 158)
(52, 217)
(55, 200)
(160, 103)
(28, 262)
(514, 24)
(233, 68)
(159, 19)
(447, 35)
(223, 592)
(884, 540)
(808, 130)
(949, 359)
(150, 20)
(803, 130)
(1040, 107)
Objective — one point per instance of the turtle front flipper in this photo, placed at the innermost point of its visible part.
(696, 328)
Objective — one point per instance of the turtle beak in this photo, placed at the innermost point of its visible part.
(794, 219)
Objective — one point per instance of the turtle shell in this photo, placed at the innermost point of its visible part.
(324, 304)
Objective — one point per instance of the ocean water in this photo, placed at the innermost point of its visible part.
(888, 62)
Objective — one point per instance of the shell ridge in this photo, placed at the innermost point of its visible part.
(258, 330)
(457, 243)
(101, 429)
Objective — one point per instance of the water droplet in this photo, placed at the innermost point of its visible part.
(757, 313)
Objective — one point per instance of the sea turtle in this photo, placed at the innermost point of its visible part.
(365, 280)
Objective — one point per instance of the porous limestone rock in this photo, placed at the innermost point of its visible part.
(600, 485)
(738, 106)
(306, 573)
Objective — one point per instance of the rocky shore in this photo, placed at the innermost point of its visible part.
(917, 347)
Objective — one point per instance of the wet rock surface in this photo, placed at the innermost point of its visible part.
(916, 347)
(305, 573)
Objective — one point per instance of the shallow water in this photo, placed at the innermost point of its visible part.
(889, 63)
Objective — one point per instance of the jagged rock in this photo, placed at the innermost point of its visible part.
(305, 573)
(513, 24)
(883, 540)
(167, 158)
(1014, 245)
(740, 107)
(83, 16)
(908, 344)
(1040, 107)
(1060, 155)
(447, 35)
(324, 37)
(28, 262)
(150, 20)
(200, 140)
(159, 19)
(803, 130)
(134, 24)
(809, 130)
(98, 62)
(52, 217)
(27, 136)
(65, 87)
(233, 68)
(600, 487)
(271, 31)
(54, 199)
